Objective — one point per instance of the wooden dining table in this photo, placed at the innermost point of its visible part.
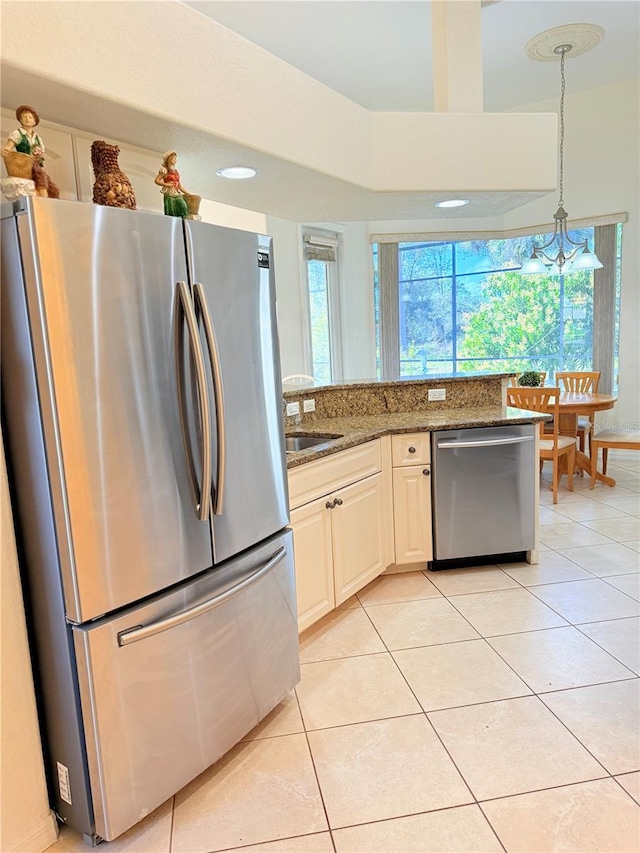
(572, 404)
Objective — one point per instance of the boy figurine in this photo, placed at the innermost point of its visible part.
(23, 153)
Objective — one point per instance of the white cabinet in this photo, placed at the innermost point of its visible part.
(342, 527)
(313, 554)
(411, 454)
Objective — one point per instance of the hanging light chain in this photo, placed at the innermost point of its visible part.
(570, 254)
(563, 49)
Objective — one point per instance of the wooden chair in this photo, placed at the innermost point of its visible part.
(552, 445)
(581, 382)
(606, 439)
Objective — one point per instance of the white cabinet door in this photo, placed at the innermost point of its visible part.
(359, 541)
(412, 514)
(313, 556)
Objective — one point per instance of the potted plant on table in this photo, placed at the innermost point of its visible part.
(530, 379)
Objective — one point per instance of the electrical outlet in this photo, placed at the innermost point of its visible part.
(293, 409)
(437, 394)
(308, 405)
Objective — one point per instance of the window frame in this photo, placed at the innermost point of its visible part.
(388, 332)
(334, 318)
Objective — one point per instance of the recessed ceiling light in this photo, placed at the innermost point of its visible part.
(237, 173)
(453, 202)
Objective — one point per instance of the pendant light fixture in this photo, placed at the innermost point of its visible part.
(560, 254)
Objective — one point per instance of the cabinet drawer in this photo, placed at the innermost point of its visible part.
(411, 449)
(333, 472)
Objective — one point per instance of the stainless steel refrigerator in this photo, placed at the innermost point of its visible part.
(143, 422)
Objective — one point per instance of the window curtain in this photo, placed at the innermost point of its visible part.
(318, 247)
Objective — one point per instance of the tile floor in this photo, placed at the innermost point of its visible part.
(485, 709)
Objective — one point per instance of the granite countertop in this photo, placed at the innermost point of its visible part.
(356, 430)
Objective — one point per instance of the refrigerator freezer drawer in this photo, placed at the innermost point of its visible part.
(169, 687)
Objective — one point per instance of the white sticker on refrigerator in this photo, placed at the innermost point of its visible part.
(63, 783)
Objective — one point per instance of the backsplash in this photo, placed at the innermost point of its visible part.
(377, 398)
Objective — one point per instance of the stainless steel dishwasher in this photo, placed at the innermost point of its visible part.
(483, 492)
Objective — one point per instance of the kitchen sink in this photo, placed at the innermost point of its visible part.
(304, 442)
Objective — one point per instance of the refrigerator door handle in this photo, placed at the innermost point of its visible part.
(491, 442)
(214, 358)
(132, 635)
(186, 314)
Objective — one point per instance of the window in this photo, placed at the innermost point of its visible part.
(321, 256)
(464, 307)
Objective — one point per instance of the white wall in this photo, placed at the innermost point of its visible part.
(26, 822)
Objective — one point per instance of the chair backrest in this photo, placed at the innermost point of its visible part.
(545, 400)
(579, 381)
(298, 379)
(514, 380)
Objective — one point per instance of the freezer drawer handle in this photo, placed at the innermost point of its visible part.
(494, 442)
(214, 358)
(185, 313)
(132, 635)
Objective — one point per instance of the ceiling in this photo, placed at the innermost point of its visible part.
(378, 52)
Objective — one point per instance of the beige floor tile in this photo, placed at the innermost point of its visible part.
(622, 529)
(606, 719)
(587, 601)
(458, 674)
(350, 604)
(506, 611)
(384, 769)
(319, 843)
(631, 783)
(604, 493)
(629, 584)
(512, 746)
(232, 803)
(285, 719)
(420, 623)
(620, 637)
(460, 830)
(593, 817)
(557, 659)
(564, 495)
(151, 835)
(634, 543)
(547, 515)
(353, 690)
(343, 633)
(473, 579)
(551, 567)
(391, 589)
(628, 504)
(603, 560)
(587, 511)
(571, 534)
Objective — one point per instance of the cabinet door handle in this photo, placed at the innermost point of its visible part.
(338, 501)
(412, 450)
(426, 472)
(330, 505)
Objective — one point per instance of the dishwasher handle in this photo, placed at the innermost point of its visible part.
(490, 442)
